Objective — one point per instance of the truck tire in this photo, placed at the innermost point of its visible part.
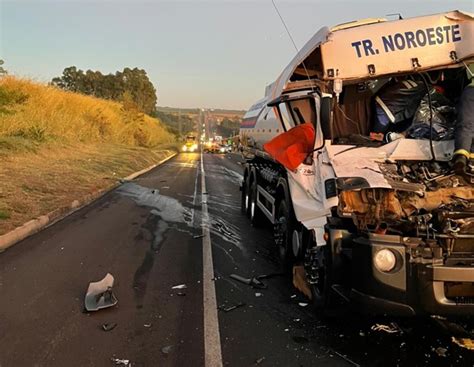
(255, 213)
(285, 223)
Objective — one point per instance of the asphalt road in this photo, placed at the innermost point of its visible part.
(148, 235)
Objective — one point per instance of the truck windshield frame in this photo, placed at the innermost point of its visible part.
(290, 117)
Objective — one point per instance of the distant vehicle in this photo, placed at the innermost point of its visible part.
(383, 219)
(226, 148)
(211, 146)
(190, 145)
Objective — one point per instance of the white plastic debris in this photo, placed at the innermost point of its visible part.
(99, 294)
(179, 286)
(121, 362)
(441, 351)
(167, 349)
(257, 294)
(390, 329)
(302, 304)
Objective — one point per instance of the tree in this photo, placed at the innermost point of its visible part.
(134, 82)
(2, 70)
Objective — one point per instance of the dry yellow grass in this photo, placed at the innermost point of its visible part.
(57, 146)
(35, 184)
(53, 114)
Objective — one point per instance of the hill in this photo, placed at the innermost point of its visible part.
(56, 146)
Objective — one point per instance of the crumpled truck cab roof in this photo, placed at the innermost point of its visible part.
(377, 47)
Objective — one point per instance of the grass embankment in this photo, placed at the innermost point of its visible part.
(58, 146)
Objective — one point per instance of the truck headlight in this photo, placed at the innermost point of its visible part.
(385, 260)
(194, 147)
(184, 148)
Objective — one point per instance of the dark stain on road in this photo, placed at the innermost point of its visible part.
(155, 236)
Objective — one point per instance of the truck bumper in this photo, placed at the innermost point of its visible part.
(413, 288)
(434, 287)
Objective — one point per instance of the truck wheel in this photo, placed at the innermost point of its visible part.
(255, 213)
(283, 232)
(245, 199)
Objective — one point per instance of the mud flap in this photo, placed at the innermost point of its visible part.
(300, 282)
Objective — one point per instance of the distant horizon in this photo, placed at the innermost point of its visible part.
(206, 108)
(197, 53)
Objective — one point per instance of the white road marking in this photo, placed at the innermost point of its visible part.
(195, 193)
(212, 339)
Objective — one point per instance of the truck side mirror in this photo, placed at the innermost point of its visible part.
(326, 109)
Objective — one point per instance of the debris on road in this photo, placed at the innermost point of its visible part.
(258, 294)
(441, 351)
(167, 349)
(230, 308)
(99, 294)
(393, 328)
(182, 294)
(147, 325)
(260, 360)
(303, 304)
(109, 326)
(346, 359)
(121, 362)
(180, 286)
(254, 282)
(466, 343)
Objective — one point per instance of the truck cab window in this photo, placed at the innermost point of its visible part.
(304, 110)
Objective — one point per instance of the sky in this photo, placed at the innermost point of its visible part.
(208, 54)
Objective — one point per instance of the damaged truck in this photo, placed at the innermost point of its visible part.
(360, 156)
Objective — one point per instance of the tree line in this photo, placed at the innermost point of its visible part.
(179, 125)
(130, 85)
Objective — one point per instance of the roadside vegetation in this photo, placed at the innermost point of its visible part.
(57, 146)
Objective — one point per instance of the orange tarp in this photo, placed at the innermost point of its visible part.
(292, 147)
